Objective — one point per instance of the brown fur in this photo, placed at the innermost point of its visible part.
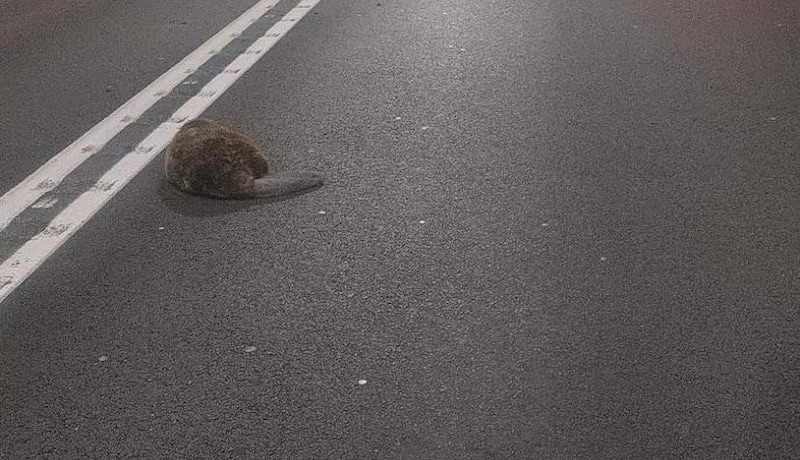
(206, 158)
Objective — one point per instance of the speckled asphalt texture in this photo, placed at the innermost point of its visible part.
(551, 229)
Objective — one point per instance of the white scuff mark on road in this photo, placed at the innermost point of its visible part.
(36, 250)
(422, 222)
(321, 212)
(249, 349)
(45, 203)
(103, 358)
(362, 382)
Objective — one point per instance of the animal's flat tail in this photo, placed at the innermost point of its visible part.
(285, 183)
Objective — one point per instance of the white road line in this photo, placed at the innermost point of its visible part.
(58, 167)
(35, 251)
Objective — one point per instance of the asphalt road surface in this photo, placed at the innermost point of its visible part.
(550, 229)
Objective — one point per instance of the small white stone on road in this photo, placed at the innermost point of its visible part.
(545, 224)
(249, 349)
(321, 212)
(102, 358)
(425, 128)
(362, 382)
(603, 259)
(161, 228)
(398, 118)
(422, 222)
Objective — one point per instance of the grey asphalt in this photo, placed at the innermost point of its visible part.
(551, 229)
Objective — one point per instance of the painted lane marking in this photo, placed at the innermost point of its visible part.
(35, 251)
(49, 175)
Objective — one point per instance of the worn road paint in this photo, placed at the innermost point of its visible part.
(34, 252)
(57, 168)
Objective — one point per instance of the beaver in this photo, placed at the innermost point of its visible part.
(209, 159)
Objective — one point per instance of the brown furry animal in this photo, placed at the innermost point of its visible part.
(205, 158)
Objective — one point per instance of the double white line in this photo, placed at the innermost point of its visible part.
(36, 250)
